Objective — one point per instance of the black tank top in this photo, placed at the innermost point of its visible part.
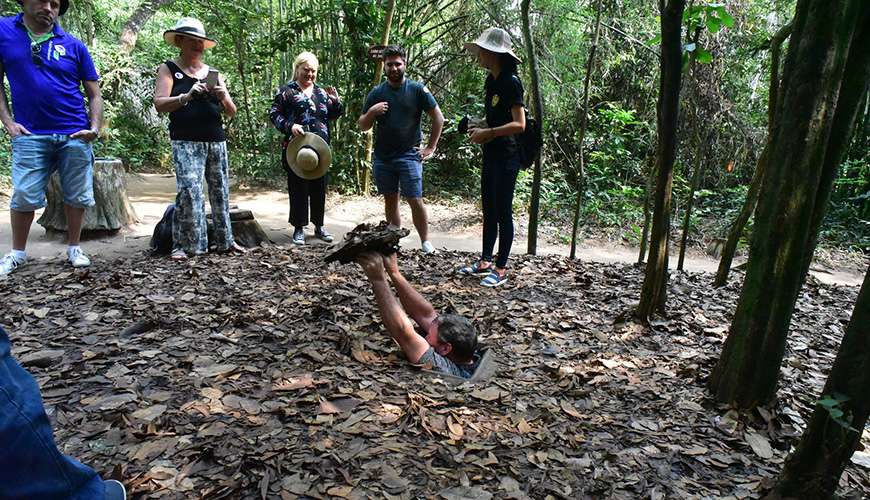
(200, 120)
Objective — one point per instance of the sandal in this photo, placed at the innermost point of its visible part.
(475, 269)
(494, 279)
(237, 249)
(178, 254)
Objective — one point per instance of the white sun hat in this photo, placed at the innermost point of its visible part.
(494, 40)
(308, 156)
(188, 26)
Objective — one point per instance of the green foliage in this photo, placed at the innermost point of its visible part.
(5, 156)
(258, 39)
(832, 403)
(711, 17)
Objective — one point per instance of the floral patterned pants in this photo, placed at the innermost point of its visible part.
(189, 229)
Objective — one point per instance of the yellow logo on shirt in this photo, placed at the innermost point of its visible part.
(495, 100)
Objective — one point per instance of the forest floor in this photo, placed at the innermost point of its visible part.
(268, 375)
(453, 226)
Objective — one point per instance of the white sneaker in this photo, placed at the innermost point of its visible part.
(9, 263)
(78, 258)
(428, 247)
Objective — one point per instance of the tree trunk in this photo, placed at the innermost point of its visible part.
(747, 372)
(644, 237)
(852, 90)
(247, 232)
(746, 211)
(243, 75)
(584, 121)
(130, 31)
(654, 291)
(814, 469)
(112, 211)
(363, 176)
(755, 184)
(696, 179)
(531, 57)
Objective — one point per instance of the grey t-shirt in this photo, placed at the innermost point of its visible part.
(398, 130)
(442, 364)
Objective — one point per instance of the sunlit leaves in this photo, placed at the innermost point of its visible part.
(703, 56)
(832, 403)
(712, 17)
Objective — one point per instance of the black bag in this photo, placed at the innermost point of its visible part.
(161, 240)
(530, 141)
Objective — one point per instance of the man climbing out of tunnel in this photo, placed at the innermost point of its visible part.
(445, 342)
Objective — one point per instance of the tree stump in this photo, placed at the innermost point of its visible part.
(246, 230)
(382, 238)
(112, 211)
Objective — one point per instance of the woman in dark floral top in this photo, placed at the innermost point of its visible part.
(302, 106)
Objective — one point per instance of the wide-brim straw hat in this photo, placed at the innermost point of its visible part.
(64, 5)
(308, 156)
(188, 26)
(494, 40)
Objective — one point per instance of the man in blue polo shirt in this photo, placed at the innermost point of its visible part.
(397, 105)
(51, 129)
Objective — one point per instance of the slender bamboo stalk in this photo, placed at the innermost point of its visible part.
(584, 122)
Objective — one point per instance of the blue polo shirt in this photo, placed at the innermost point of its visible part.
(398, 130)
(46, 97)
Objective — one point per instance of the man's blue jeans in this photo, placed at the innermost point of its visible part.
(31, 467)
(36, 157)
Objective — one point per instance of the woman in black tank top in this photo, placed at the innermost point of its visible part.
(196, 97)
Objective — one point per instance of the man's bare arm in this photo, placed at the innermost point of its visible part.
(95, 112)
(434, 133)
(420, 309)
(367, 120)
(394, 318)
(13, 128)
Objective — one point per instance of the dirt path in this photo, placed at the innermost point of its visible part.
(452, 226)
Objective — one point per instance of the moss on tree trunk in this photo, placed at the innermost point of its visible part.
(814, 469)
(782, 240)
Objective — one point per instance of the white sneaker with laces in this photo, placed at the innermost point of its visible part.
(428, 247)
(9, 263)
(78, 258)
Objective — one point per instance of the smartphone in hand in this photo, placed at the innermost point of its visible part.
(211, 80)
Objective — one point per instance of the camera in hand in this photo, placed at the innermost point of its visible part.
(467, 123)
(462, 127)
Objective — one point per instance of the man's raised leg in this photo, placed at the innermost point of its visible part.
(74, 218)
(20, 229)
(421, 222)
(21, 222)
(391, 209)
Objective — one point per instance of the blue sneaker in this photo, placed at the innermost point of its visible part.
(115, 490)
(298, 237)
(494, 279)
